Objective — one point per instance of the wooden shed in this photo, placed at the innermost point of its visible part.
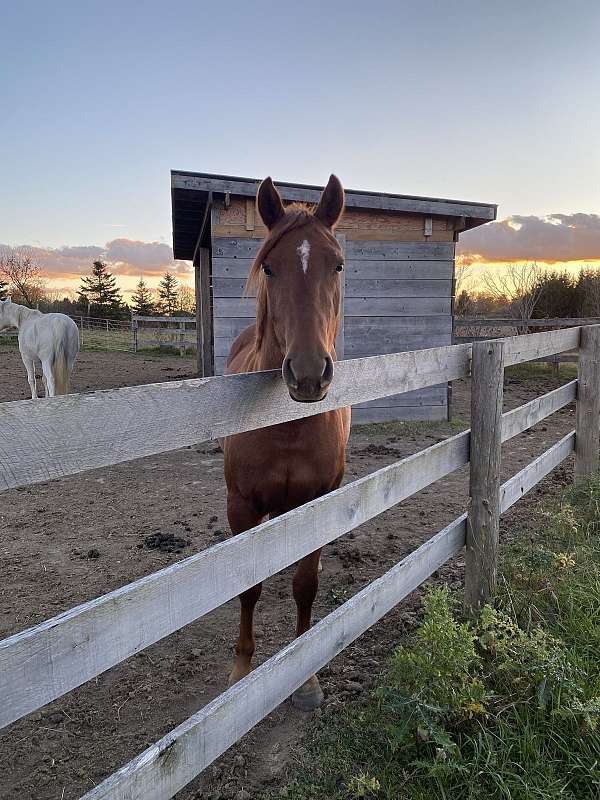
(399, 276)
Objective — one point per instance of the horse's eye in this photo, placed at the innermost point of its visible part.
(267, 270)
(339, 268)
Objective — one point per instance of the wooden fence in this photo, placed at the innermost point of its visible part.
(67, 435)
(174, 332)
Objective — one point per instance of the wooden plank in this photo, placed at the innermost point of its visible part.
(399, 270)
(483, 521)
(587, 420)
(518, 349)
(533, 473)
(167, 766)
(230, 287)
(250, 203)
(166, 320)
(226, 327)
(231, 267)
(491, 322)
(48, 660)
(429, 396)
(396, 306)
(373, 287)
(367, 416)
(399, 251)
(248, 187)
(395, 326)
(354, 306)
(375, 345)
(526, 416)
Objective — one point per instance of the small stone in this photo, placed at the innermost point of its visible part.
(93, 553)
(239, 761)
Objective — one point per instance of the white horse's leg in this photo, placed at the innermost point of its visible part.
(30, 367)
(45, 382)
(49, 378)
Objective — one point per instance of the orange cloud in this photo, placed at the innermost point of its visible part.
(555, 238)
(125, 257)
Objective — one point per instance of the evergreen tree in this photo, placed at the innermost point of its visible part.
(99, 292)
(3, 290)
(167, 291)
(142, 302)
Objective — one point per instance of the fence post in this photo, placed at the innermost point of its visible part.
(182, 338)
(134, 325)
(483, 521)
(587, 414)
(81, 334)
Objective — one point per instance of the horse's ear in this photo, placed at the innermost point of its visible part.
(331, 204)
(269, 202)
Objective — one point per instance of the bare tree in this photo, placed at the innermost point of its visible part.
(22, 274)
(519, 286)
(186, 299)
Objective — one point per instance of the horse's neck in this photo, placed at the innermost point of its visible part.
(21, 314)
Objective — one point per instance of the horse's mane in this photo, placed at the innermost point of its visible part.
(297, 215)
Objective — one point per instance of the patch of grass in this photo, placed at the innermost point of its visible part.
(535, 370)
(506, 707)
(387, 429)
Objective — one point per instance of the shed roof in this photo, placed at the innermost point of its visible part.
(190, 191)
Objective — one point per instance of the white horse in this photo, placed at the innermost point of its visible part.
(49, 340)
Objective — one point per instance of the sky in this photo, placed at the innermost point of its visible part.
(494, 102)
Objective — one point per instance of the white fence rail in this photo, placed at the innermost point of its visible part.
(71, 434)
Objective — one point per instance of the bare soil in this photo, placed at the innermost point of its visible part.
(70, 540)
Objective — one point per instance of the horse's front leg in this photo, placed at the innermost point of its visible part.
(242, 516)
(306, 582)
(30, 367)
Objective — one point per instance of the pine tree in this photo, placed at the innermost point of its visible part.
(167, 291)
(99, 292)
(142, 302)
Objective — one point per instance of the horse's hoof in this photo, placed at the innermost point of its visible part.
(308, 698)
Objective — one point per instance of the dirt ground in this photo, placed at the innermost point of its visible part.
(70, 540)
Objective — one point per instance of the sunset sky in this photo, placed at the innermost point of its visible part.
(495, 102)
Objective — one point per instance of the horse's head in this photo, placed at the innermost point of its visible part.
(298, 277)
(6, 315)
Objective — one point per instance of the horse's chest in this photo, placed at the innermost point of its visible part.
(284, 468)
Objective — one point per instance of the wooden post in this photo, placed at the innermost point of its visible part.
(487, 376)
(134, 326)
(587, 415)
(182, 338)
(81, 334)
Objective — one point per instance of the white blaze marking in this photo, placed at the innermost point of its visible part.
(304, 252)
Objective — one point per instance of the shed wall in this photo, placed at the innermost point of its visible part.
(398, 293)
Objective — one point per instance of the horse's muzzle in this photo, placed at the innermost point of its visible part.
(308, 385)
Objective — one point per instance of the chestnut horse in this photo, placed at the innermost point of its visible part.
(296, 275)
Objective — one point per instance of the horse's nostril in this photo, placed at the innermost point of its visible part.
(288, 374)
(327, 375)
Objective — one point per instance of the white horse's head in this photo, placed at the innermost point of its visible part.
(7, 317)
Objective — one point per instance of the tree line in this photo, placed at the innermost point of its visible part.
(526, 291)
(98, 294)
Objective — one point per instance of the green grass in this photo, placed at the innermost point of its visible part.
(506, 707)
(387, 429)
(534, 371)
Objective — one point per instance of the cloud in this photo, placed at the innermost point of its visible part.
(124, 257)
(557, 237)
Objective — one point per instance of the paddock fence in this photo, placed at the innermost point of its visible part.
(64, 436)
(471, 329)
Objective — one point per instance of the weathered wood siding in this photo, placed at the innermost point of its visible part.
(397, 293)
